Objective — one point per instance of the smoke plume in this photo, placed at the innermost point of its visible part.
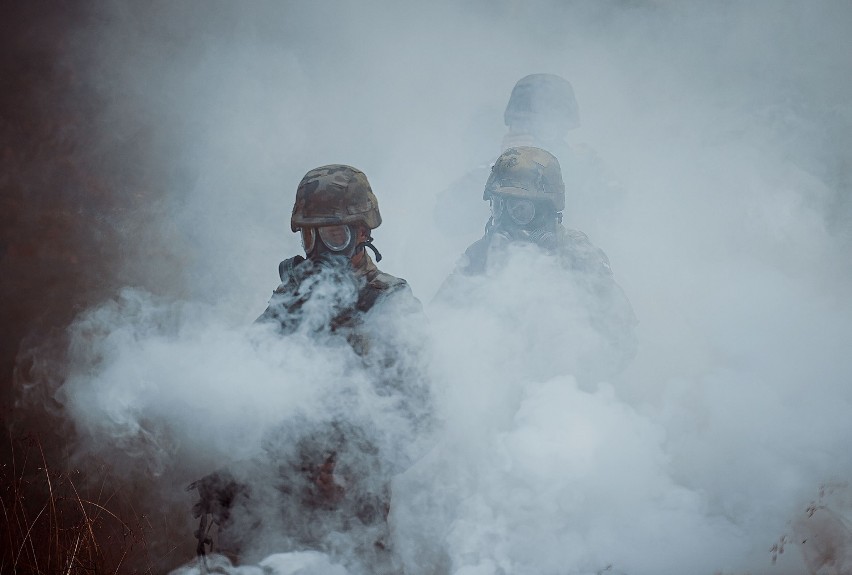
(169, 141)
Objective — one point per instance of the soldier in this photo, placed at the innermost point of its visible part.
(326, 479)
(541, 111)
(335, 212)
(527, 197)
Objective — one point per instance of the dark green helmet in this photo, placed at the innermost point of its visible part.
(543, 98)
(530, 173)
(332, 195)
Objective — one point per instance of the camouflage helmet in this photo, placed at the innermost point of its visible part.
(526, 172)
(546, 97)
(335, 194)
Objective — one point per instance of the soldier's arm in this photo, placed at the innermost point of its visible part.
(615, 316)
(471, 263)
(281, 305)
(217, 494)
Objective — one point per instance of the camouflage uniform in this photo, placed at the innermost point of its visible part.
(369, 286)
(331, 294)
(529, 181)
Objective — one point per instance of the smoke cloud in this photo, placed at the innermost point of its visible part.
(722, 133)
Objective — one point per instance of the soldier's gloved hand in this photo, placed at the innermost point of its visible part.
(216, 494)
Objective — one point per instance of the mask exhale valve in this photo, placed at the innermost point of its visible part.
(325, 241)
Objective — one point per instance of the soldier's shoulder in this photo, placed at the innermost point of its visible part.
(477, 247)
(474, 258)
(386, 283)
(287, 273)
(582, 253)
(577, 240)
(384, 287)
(575, 236)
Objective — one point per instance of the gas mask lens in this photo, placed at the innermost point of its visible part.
(336, 238)
(521, 211)
(308, 239)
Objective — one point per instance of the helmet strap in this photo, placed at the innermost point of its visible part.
(369, 244)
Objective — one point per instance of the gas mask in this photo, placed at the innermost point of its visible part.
(520, 219)
(334, 243)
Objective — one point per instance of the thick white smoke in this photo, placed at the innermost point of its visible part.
(726, 130)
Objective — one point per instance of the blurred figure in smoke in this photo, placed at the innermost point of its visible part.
(527, 197)
(323, 483)
(541, 111)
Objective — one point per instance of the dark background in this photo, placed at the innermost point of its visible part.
(74, 192)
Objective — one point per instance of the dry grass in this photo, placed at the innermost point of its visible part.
(66, 521)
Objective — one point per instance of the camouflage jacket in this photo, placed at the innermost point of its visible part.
(368, 286)
(574, 250)
(611, 312)
(318, 479)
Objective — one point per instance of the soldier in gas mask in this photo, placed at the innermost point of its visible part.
(335, 212)
(323, 482)
(527, 197)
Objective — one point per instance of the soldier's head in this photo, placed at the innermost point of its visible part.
(335, 211)
(527, 195)
(542, 108)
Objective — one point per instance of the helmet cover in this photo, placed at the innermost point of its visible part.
(335, 195)
(530, 173)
